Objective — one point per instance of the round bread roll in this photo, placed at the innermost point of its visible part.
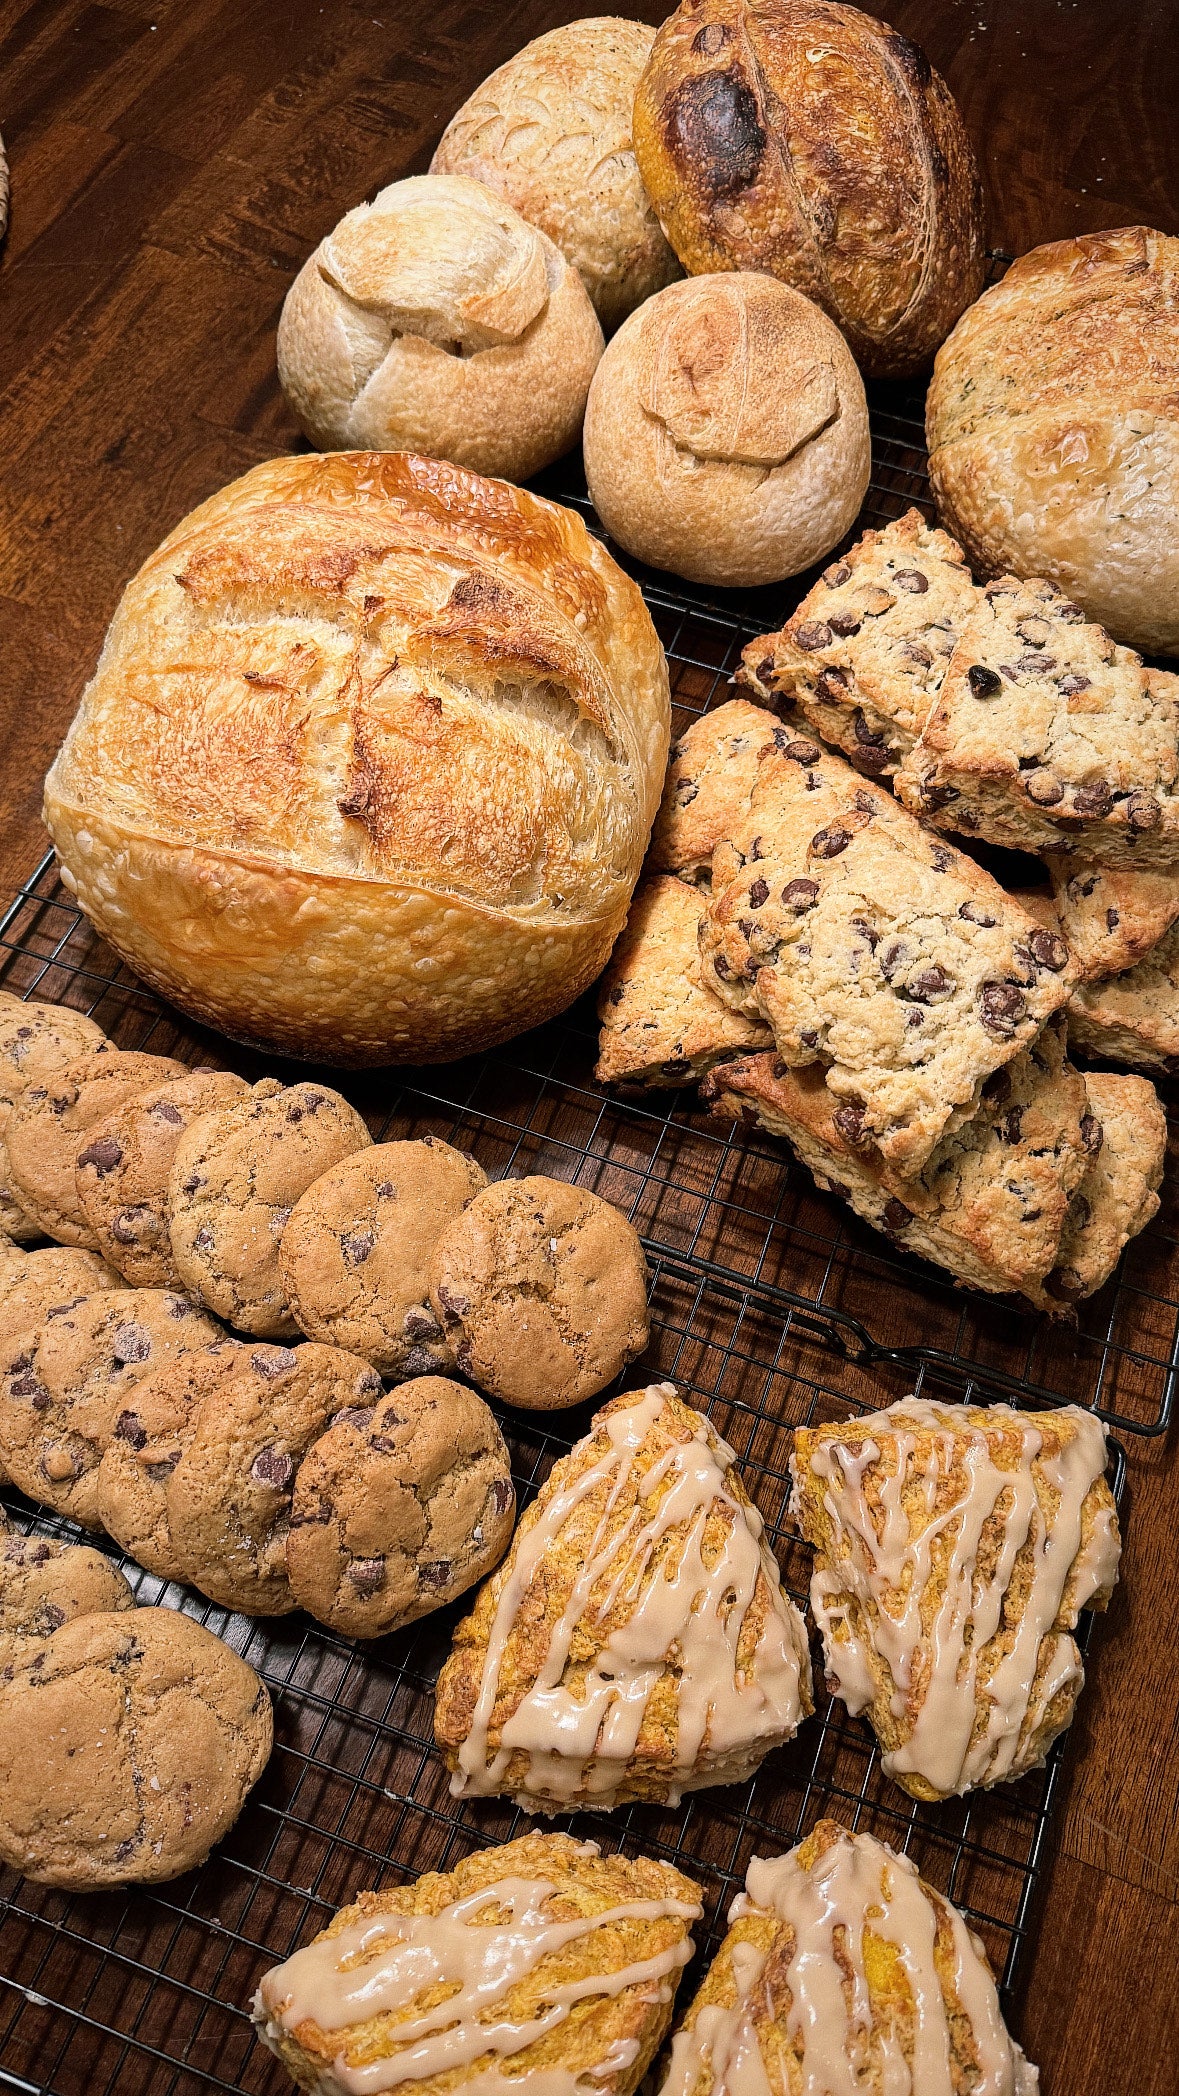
(726, 434)
(1053, 428)
(550, 131)
(368, 766)
(435, 320)
(805, 138)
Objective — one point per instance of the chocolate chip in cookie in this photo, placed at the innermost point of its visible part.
(356, 1250)
(541, 1288)
(399, 1507)
(121, 1175)
(57, 1118)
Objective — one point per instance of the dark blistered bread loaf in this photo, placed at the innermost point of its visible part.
(812, 141)
(368, 766)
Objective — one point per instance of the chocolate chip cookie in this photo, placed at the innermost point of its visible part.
(355, 1253)
(235, 1178)
(229, 1497)
(150, 1436)
(64, 1385)
(44, 1584)
(399, 1507)
(49, 1282)
(36, 1042)
(51, 1123)
(542, 1290)
(121, 1174)
(128, 1744)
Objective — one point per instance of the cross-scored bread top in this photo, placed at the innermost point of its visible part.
(955, 1546)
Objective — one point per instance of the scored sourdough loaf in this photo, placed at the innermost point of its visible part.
(368, 766)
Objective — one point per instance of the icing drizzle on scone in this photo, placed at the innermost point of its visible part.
(948, 1521)
(682, 1601)
(476, 1950)
(856, 1889)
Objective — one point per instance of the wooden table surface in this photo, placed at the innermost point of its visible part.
(173, 162)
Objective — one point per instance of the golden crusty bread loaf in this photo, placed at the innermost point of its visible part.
(1053, 428)
(726, 431)
(551, 131)
(368, 766)
(810, 140)
(435, 320)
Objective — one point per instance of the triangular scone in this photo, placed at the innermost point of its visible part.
(636, 1642)
(954, 1547)
(661, 1024)
(555, 1967)
(864, 655)
(710, 776)
(990, 1202)
(1112, 915)
(843, 1970)
(1124, 1132)
(1132, 1017)
(871, 947)
(1048, 737)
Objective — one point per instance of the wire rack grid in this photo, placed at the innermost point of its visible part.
(771, 1308)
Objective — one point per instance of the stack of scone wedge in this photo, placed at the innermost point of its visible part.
(808, 945)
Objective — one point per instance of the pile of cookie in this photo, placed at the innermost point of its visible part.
(196, 1363)
(808, 945)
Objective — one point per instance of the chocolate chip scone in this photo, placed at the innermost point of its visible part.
(542, 1289)
(992, 1200)
(229, 1496)
(64, 1385)
(1125, 1137)
(236, 1175)
(355, 1253)
(151, 1434)
(709, 780)
(36, 1042)
(121, 1174)
(399, 1507)
(662, 1024)
(1134, 1017)
(44, 1584)
(899, 964)
(51, 1123)
(1048, 737)
(1112, 915)
(128, 1744)
(51, 1281)
(864, 655)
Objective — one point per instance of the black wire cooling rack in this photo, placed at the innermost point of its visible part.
(772, 1307)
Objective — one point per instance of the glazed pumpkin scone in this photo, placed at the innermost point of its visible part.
(1046, 736)
(991, 1201)
(864, 655)
(954, 1548)
(556, 1966)
(871, 947)
(636, 1642)
(709, 780)
(661, 1023)
(843, 1970)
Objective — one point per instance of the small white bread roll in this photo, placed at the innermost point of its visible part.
(435, 320)
(551, 132)
(726, 432)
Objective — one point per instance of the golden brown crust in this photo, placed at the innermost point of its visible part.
(661, 1024)
(551, 131)
(304, 859)
(584, 1884)
(1053, 428)
(868, 200)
